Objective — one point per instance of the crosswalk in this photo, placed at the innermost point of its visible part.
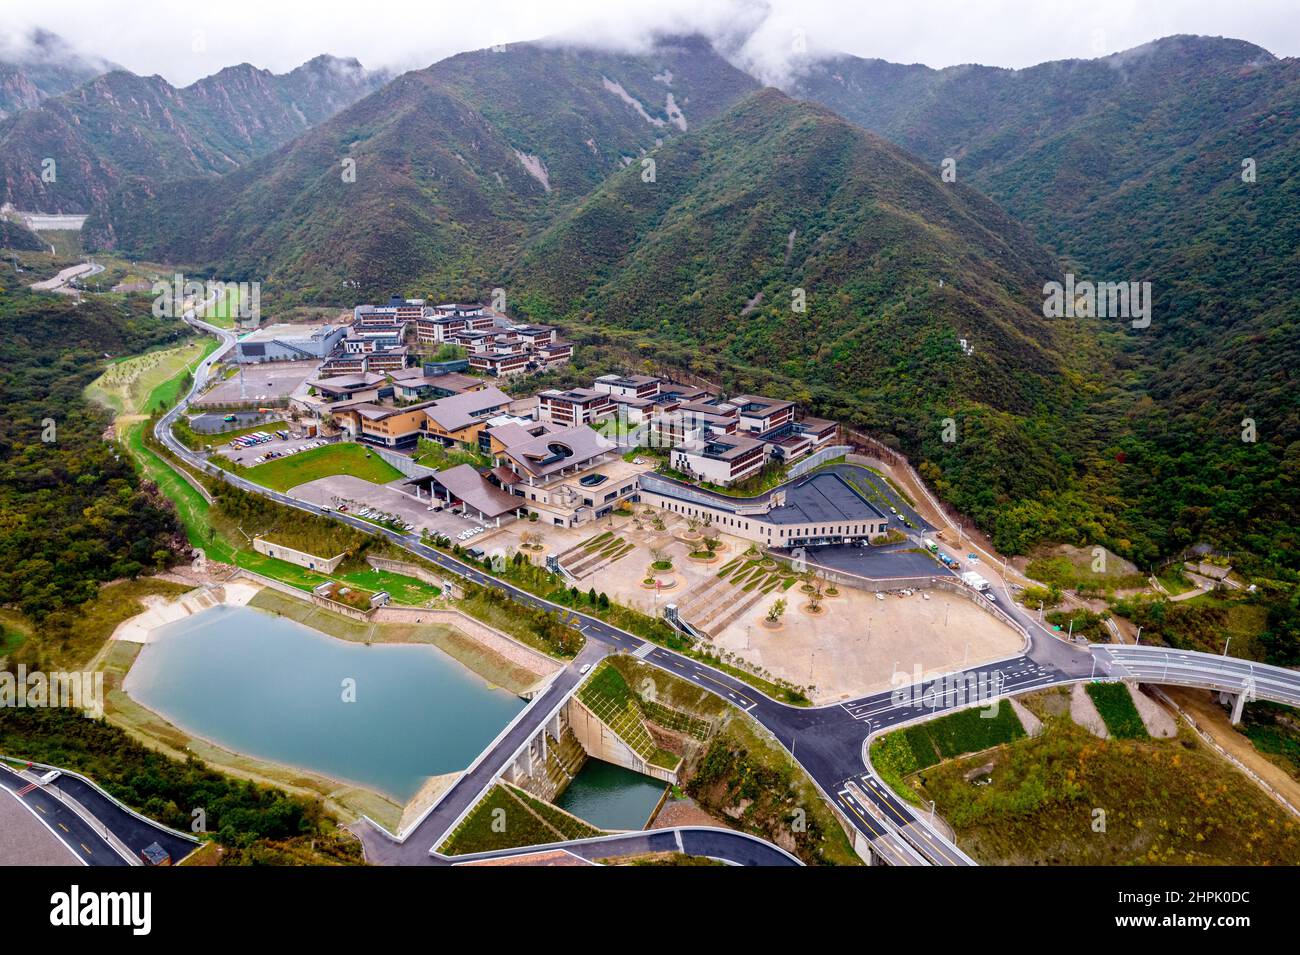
(644, 650)
(949, 691)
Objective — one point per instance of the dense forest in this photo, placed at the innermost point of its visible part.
(73, 513)
(255, 824)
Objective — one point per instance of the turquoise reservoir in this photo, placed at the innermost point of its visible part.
(611, 797)
(271, 688)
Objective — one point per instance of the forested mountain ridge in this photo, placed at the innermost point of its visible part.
(1176, 163)
(39, 64)
(120, 126)
(437, 177)
(701, 269)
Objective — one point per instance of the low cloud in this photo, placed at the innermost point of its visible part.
(774, 39)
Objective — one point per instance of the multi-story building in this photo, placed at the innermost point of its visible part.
(628, 386)
(566, 476)
(721, 459)
(576, 406)
(759, 414)
(387, 425)
(437, 325)
(460, 418)
(364, 339)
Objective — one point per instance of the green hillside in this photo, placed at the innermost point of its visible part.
(442, 197)
(1130, 168)
(697, 270)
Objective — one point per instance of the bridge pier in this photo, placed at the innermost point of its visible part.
(1238, 701)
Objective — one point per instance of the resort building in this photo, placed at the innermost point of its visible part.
(628, 386)
(758, 414)
(577, 406)
(460, 418)
(721, 459)
(817, 510)
(566, 476)
(284, 342)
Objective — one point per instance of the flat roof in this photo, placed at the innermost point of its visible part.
(822, 498)
(284, 330)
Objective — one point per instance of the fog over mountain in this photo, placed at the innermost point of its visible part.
(769, 37)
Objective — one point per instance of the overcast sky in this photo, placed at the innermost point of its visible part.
(186, 40)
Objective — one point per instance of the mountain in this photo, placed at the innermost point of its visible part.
(40, 64)
(455, 165)
(15, 235)
(699, 268)
(1130, 168)
(120, 127)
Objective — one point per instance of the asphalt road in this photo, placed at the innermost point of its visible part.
(828, 742)
(727, 845)
(73, 831)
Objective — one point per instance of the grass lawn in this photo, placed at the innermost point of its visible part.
(133, 385)
(191, 508)
(11, 637)
(347, 458)
(506, 818)
(404, 590)
(914, 748)
(1116, 707)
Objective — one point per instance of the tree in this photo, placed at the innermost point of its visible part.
(776, 611)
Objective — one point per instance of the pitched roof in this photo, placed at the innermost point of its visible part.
(560, 449)
(464, 482)
(460, 411)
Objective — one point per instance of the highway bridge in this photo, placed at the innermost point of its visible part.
(829, 742)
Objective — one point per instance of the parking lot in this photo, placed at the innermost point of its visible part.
(876, 563)
(270, 381)
(249, 456)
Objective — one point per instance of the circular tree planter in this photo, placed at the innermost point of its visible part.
(813, 611)
(703, 558)
(772, 625)
(660, 567)
(831, 592)
(659, 583)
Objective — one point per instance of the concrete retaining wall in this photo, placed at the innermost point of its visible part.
(401, 462)
(811, 463)
(603, 743)
(326, 565)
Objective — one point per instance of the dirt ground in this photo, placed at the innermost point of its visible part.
(857, 642)
(1214, 720)
(853, 647)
